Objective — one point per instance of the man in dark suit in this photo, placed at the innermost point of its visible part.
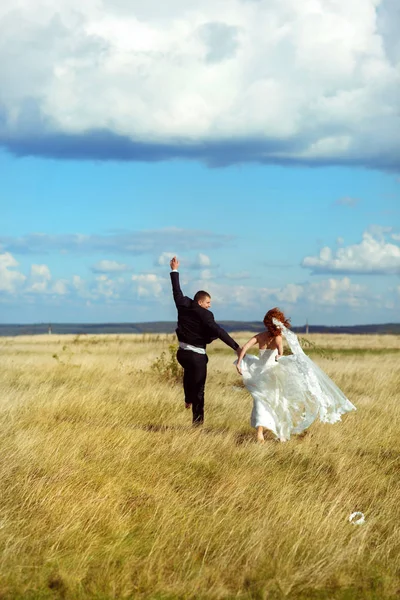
(196, 328)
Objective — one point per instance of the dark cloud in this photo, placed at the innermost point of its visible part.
(104, 145)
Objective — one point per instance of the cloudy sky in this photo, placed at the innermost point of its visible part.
(259, 140)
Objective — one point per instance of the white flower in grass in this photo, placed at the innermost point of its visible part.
(357, 518)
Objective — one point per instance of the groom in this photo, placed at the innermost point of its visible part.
(196, 328)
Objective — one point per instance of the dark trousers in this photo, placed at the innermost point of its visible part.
(194, 379)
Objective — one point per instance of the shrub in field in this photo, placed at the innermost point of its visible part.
(309, 346)
(167, 367)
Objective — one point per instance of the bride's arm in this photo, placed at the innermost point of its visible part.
(279, 345)
(248, 345)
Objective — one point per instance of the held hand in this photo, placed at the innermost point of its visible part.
(238, 369)
(174, 264)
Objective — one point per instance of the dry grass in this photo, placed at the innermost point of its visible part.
(107, 492)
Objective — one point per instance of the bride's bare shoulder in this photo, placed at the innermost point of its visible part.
(271, 342)
(263, 339)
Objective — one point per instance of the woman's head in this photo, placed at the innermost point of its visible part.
(275, 313)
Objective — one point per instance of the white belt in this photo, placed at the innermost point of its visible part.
(192, 348)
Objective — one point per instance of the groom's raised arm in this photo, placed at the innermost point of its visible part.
(179, 298)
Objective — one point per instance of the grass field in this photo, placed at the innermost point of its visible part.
(107, 492)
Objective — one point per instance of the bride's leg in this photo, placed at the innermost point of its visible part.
(260, 434)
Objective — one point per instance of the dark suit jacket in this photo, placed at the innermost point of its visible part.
(196, 325)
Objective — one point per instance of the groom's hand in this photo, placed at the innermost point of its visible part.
(174, 264)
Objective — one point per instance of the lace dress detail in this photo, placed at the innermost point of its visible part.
(291, 393)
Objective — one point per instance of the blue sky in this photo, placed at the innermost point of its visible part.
(286, 191)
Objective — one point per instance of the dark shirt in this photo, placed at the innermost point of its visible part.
(196, 325)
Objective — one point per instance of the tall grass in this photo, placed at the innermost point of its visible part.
(107, 492)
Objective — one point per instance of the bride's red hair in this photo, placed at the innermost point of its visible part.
(277, 314)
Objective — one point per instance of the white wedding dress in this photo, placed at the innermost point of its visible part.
(289, 394)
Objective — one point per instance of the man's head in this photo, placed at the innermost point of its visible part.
(203, 299)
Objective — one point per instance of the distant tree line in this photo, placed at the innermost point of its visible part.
(169, 327)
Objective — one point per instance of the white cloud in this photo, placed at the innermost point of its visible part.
(281, 81)
(290, 293)
(40, 272)
(206, 275)
(379, 231)
(143, 290)
(329, 292)
(105, 287)
(337, 292)
(10, 280)
(39, 281)
(240, 275)
(202, 261)
(39, 278)
(81, 287)
(109, 266)
(371, 256)
(238, 296)
(60, 287)
(148, 285)
(77, 282)
(324, 294)
(101, 288)
(165, 258)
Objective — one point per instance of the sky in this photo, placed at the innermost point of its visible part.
(260, 144)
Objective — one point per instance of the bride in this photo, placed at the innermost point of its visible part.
(289, 392)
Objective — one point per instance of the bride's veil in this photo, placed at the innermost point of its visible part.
(290, 337)
(331, 399)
